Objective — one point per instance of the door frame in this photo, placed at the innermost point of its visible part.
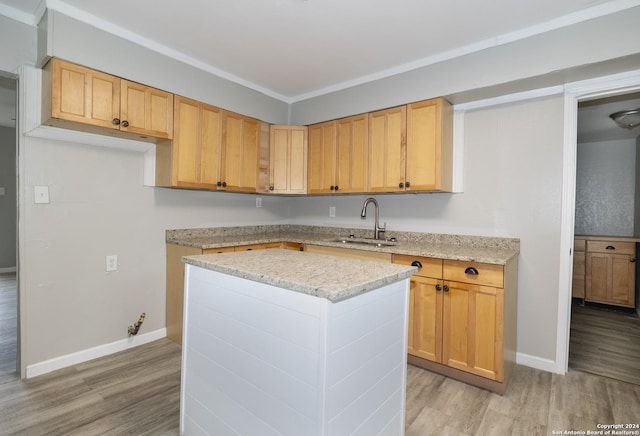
(576, 92)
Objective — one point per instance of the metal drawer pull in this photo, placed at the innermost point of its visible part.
(416, 263)
(472, 271)
(610, 247)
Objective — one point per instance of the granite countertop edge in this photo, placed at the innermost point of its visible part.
(332, 278)
(491, 250)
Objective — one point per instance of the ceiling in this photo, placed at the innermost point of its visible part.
(296, 49)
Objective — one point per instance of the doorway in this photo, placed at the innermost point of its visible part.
(8, 228)
(583, 100)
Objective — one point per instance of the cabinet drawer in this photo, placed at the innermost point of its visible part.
(429, 267)
(579, 244)
(611, 247)
(474, 272)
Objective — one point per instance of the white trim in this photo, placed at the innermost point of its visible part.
(8, 269)
(510, 98)
(93, 353)
(574, 92)
(547, 365)
(17, 15)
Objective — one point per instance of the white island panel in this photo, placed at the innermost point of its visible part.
(258, 359)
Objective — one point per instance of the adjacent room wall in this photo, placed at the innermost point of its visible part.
(8, 199)
(605, 188)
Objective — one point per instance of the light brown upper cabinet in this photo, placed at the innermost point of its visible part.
(241, 141)
(79, 98)
(429, 158)
(387, 145)
(352, 145)
(411, 147)
(338, 156)
(192, 159)
(288, 159)
(322, 158)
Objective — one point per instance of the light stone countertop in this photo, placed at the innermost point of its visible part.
(330, 277)
(493, 250)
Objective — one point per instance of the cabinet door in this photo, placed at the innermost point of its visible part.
(610, 279)
(352, 145)
(425, 319)
(82, 95)
(196, 145)
(429, 146)
(322, 158)
(288, 160)
(241, 151)
(145, 110)
(473, 329)
(387, 149)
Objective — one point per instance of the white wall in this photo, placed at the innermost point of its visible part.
(513, 183)
(605, 188)
(100, 207)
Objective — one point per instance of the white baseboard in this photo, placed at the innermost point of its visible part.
(8, 269)
(536, 362)
(93, 353)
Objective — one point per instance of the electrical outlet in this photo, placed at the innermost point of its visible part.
(258, 202)
(111, 262)
(41, 194)
(332, 211)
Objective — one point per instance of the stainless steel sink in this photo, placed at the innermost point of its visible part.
(366, 241)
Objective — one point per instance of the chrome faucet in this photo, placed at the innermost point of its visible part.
(376, 227)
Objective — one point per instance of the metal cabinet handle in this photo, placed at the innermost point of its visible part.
(438, 288)
(400, 185)
(224, 184)
(632, 260)
(116, 121)
(472, 271)
(408, 184)
(416, 263)
(445, 288)
(270, 188)
(125, 123)
(610, 247)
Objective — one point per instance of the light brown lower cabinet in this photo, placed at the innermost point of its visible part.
(611, 272)
(462, 319)
(175, 279)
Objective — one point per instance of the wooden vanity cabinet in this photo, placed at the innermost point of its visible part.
(80, 98)
(611, 272)
(192, 159)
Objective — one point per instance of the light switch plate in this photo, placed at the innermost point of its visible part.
(41, 194)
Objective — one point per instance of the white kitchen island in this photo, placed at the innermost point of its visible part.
(279, 342)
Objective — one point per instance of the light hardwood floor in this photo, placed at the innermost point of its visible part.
(605, 342)
(136, 392)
